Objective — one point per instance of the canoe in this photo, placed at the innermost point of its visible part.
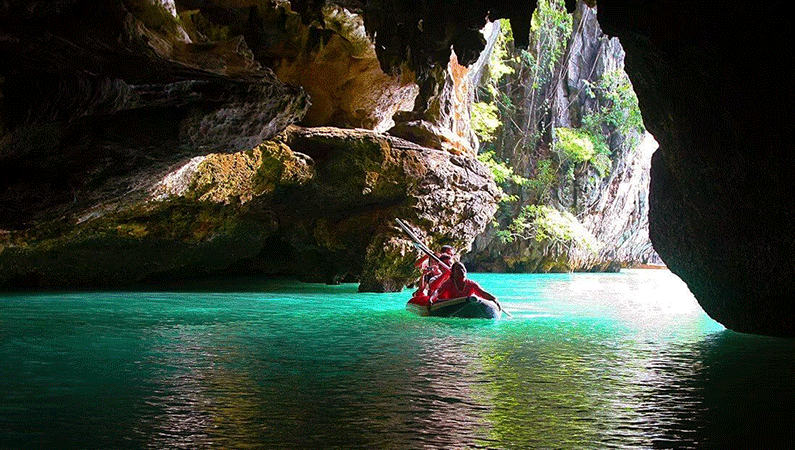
(464, 307)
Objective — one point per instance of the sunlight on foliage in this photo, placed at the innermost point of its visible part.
(502, 173)
(485, 120)
(573, 145)
(546, 224)
(618, 108)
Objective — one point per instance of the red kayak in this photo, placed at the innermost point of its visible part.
(471, 307)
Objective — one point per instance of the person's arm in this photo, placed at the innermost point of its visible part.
(476, 289)
(440, 286)
(424, 278)
(437, 282)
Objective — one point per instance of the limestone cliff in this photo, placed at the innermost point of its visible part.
(316, 203)
(594, 213)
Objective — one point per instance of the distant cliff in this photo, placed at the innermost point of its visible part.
(573, 145)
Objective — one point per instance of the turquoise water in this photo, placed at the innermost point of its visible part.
(596, 361)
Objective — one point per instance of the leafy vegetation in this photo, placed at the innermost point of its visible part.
(501, 171)
(485, 120)
(617, 110)
(503, 174)
(550, 30)
(544, 224)
(494, 104)
(579, 146)
(573, 145)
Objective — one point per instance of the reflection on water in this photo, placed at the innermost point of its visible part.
(588, 361)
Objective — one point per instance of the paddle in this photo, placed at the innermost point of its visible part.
(418, 244)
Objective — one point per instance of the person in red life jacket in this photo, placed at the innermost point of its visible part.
(457, 285)
(434, 274)
(430, 271)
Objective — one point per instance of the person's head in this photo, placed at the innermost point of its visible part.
(458, 271)
(446, 258)
(446, 249)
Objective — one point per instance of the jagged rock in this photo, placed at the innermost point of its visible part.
(440, 118)
(365, 180)
(331, 57)
(325, 214)
(614, 210)
(97, 108)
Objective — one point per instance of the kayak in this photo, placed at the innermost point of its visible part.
(464, 307)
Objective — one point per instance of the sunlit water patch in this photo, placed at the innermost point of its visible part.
(623, 360)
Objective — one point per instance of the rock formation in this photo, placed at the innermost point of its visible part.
(315, 203)
(722, 197)
(93, 109)
(153, 144)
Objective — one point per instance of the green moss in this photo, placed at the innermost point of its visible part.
(134, 230)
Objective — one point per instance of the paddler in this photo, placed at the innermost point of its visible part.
(458, 285)
(434, 274)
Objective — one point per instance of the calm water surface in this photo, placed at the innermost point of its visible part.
(595, 361)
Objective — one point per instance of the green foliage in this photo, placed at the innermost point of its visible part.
(577, 146)
(545, 224)
(485, 120)
(502, 173)
(602, 163)
(573, 145)
(618, 108)
(550, 29)
(486, 114)
(545, 176)
(500, 62)
(594, 125)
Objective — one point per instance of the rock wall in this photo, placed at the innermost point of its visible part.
(331, 57)
(92, 109)
(316, 203)
(615, 209)
(149, 133)
(722, 195)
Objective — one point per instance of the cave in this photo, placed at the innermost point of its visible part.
(91, 110)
